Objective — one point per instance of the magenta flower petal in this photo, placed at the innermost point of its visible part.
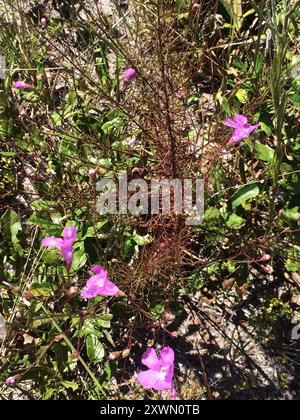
(67, 254)
(169, 376)
(90, 293)
(70, 233)
(159, 380)
(241, 119)
(130, 75)
(173, 393)
(20, 85)
(148, 379)
(44, 22)
(230, 123)
(150, 359)
(109, 289)
(96, 280)
(244, 132)
(11, 380)
(240, 134)
(65, 245)
(99, 285)
(242, 129)
(99, 270)
(52, 242)
(94, 287)
(252, 128)
(165, 379)
(161, 370)
(167, 355)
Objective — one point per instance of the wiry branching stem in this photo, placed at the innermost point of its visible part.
(169, 124)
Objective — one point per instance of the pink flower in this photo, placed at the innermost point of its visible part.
(264, 258)
(72, 291)
(130, 76)
(11, 380)
(161, 370)
(92, 173)
(173, 394)
(65, 244)
(20, 85)
(44, 22)
(114, 355)
(242, 129)
(100, 285)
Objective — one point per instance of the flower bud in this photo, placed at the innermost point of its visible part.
(44, 22)
(114, 355)
(266, 257)
(27, 294)
(11, 380)
(126, 352)
(92, 173)
(74, 355)
(73, 290)
(58, 338)
(20, 85)
(130, 76)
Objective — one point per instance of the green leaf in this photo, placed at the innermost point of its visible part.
(70, 385)
(103, 321)
(112, 125)
(157, 310)
(235, 221)
(245, 193)
(40, 205)
(242, 95)
(183, 16)
(49, 394)
(7, 154)
(42, 289)
(230, 266)
(259, 63)
(265, 128)
(43, 223)
(11, 226)
(227, 7)
(292, 214)
(109, 338)
(95, 349)
(248, 13)
(212, 214)
(293, 263)
(38, 373)
(142, 240)
(264, 152)
(79, 261)
(88, 328)
(32, 97)
(224, 104)
(295, 99)
(196, 280)
(234, 10)
(61, 356)
(56, 118)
